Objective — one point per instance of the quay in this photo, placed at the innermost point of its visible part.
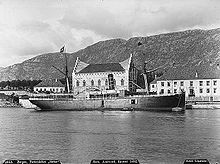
(202, 104)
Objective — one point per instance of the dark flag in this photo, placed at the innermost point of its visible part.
(62, 49)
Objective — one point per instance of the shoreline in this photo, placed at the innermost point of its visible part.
(8, 104)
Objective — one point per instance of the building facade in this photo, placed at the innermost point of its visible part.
(105, 78)
(198, 89)
(52, 86)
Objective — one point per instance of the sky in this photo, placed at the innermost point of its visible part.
(32, 27)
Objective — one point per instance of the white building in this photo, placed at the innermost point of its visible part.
(53, 86)
(106, 78)
(197, 89)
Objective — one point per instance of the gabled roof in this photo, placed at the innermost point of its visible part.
(82, 67)
(50, 83)
(107, 67)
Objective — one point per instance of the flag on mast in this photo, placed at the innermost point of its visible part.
(62, 49)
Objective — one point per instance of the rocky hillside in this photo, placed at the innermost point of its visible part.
(179, 55)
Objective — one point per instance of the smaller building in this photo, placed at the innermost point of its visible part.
(52, 86)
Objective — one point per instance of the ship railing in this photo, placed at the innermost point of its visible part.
(152, 95)
(54, 97)
(102, 98)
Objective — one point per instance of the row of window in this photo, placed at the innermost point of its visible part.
(207, 90)
(168, 91)
(52, 90)
(96, 74)
(92, 83)
(201, 90)
(208, 83)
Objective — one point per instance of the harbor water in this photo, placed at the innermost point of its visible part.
(79, 137)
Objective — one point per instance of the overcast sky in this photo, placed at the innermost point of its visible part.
(32, 27)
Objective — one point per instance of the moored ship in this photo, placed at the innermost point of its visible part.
(109, 86)
(135, 102)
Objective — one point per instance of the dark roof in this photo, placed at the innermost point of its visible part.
(189, 74)
(107, 67)
(50, 83)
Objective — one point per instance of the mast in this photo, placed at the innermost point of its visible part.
(145, 74)
(66, 69)
(145, 78)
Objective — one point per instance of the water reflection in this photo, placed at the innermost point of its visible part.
(78, 137)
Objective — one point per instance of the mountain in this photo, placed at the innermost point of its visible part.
(178, 55)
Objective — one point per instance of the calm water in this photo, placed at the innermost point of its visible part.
(78, 137)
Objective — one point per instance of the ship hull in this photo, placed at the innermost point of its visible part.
(158, 103)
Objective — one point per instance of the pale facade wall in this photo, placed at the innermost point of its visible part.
(102, 76)
(53, 89)
(201, 87)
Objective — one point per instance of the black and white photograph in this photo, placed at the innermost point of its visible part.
(110, 81)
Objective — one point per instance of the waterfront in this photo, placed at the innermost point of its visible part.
(79, 137)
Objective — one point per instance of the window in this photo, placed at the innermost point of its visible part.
(215, 90)
(84, 83)
(77, 83)
(132, 101)
(200, 90)
(208, 90)
(122, 82)
(175, 90)
(181, 83)
(168, 91)
(168, 84)
(191, 83)
(152, 86)
(162, 91)
(36, 89)
(191, 92)
(92, 83)
(162, 84)
(111, 81)
(106, 82)
(175, 83)
(207, 83)
(200, 83)
(99, 82)
(215, 82)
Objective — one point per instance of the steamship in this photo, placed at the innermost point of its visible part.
(109, 86)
